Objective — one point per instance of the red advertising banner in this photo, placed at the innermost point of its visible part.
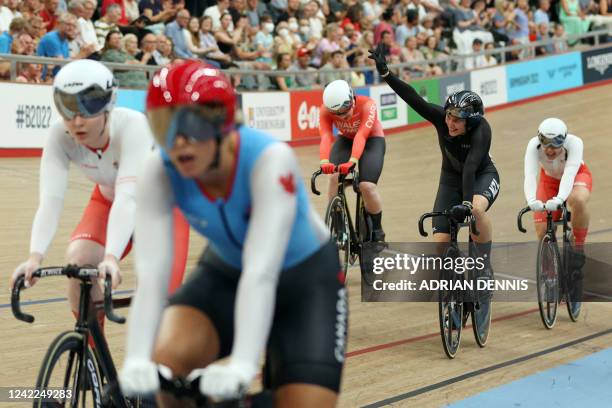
(305, 114)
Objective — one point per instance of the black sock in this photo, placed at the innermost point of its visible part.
(376, 220)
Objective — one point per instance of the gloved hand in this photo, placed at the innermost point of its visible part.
(110, 266)
(378, 55)
(27, 268)
(460, 211)
(536, 205)
(553, 204)
(327, 167)
(344, 168)
(140, 376)
(224, 382)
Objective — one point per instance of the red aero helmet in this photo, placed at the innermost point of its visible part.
(192, 83)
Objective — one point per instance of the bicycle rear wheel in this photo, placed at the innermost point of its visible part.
(547, 276)
(572, 281)
(62, 368)
(481, 321)
(336, 220)
(365, 229)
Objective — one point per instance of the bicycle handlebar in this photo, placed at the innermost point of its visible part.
(342, 177)
(471, 221)
(519, 220)
(71, 271)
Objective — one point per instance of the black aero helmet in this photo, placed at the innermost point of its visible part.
(465, 105)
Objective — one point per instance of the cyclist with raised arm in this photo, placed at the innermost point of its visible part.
(360, 141)
(469, 181)
(109, 145)
(269, 278)
(557, 157)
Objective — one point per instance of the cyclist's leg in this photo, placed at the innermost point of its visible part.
(340, 153)
(577, 203)
(197, 327)
(548, 187)
(370, 168)
(305, 360)
(448, 195)
(486, 190)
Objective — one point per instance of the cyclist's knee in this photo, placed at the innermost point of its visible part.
(84, 252)
(480, 205)
(577, 201)
(367, 188)
(305, 395)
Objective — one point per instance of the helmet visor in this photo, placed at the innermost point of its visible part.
(197, 124)
(556, 141)
(460, 113)
(89, 102)
(344, 108)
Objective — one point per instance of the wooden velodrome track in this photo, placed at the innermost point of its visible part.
(394, 348)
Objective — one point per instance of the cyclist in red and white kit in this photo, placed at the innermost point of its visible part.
(109, 145)
(557, 157)
(360, 141)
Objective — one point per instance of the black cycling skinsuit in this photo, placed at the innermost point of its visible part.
(467, 168)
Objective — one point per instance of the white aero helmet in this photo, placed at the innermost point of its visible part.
(552, 132)
(338, 97)
(84, 87)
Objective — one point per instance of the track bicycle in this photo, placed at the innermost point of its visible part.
(455, 305)
(556, 279)
(70, 363)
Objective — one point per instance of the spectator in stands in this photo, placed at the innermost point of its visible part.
(412, 54)
(148, 53)
(543, 35)
(255, 10)
(372, 11)
(292, 10)
(24, 44)
(174, 31)
(107, 23)
(358, 78)
(192, 37)
(367, 40)
(302, 66)
(16, 27)
(475, 61)
(129, 43)
(490, 58)
(409, 28)
(31, 8)
(560, 38)
(226, 36)
(391, 47)
(328, 44)
(84, 10)
(13, 6)
(602, 15)
(541, 14)
(236, 8)
(468, 28)
(336, 61)
(283, 83)
(131, 10)
(165, 50)
(210, 46)
(264, 39)
(55, 43)
(113, 52)
(49, 14)
(30, 73)
(417, 6)
(385, 25)
(294, 32)
(354, 14)
(573, 19)
(283, 42)
(215, 12)
(6, 16)
(36, 27)
(156, 12)
(518, 16)
(316, 19)
(431, 52)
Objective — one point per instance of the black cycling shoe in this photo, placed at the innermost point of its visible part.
(378, 235)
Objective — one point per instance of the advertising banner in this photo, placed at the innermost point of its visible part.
(132, 98)
(451, 84)
(269, 112)
(26, 113)
(490, 84)
(429, 89)
(543, 76)
(597, 65)
(392, 110)
(305, 106)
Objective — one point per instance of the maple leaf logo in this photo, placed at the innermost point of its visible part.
(288, 183)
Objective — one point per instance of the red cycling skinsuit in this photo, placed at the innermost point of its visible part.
(360, 136)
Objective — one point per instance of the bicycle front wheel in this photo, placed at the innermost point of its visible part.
(481, 321)
(450, 309)
(547, 276)
(65, 368)
(336, 220)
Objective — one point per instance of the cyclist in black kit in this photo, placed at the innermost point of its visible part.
(469, 182)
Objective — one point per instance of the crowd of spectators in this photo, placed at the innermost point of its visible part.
(313, 38)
